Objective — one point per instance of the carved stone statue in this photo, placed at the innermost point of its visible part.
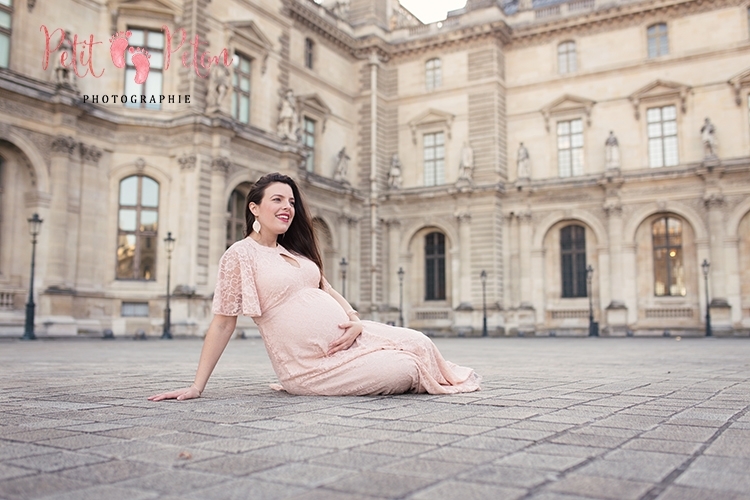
(612, 151)
(523, 162)
(342, 166)
(466, 167)
(394, 174)
(288, 117)
(218, 86)
(708, 137)
(65, 77)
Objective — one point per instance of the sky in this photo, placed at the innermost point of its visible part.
(429, 11)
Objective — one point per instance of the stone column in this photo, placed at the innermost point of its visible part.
(465, 269)
(390, 282)
(374, 62)
(92, 200)
(526, 313)
(63, 150)
(217, 231)
(721, 310)
(187, 234)
(617, 312)
(344, 253)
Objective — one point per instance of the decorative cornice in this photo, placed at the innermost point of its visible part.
(566, 104)
(659, 89)
(431, 117)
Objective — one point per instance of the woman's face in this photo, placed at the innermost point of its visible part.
(276, 209)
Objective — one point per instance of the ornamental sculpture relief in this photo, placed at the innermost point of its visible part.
(342, 166)
(708, 138)
(612, 151)
(394, 174)
(288, 117)
(523, 162)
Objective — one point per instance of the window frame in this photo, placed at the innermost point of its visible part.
(574, 280)
(660, 38)
(667, 247)
(569, 56)
(309, 53)
(663, 136)
(309, 141)
(435, 276)
(8, 32)
(433, 73)
(130, 70)
(438, 179)
(571, 149)
(237, 91)
(139, 234)
(235, 217)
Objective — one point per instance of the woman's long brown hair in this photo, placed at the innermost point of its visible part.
(300, 237)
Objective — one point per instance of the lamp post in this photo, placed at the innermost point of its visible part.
(169, 243)
(35, 225)
(400, 296)
(483, 277)
(593, 327)
(343, 265)
(706, 265)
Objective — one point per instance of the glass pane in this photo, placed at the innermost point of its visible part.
(155, 41)
(577, 162)
(429, 139)
(654, 129)
(438, 78)
(147, 257)
(245, 84)
(235, 109)
(129, 191)
(4, 19)
(669, 113)
(245, 109)
(440, 138)
(675, 231)
(677, 272)
(653, 115)
(125, 256)
(659, 232)
(576, 126)
(655, 157)
(148, 220)
(9, 3)
(572, 61)
(562, 63)
(127, 220)
(235, 79)
(563, 128)
(132, 88)
(663, 46)
(4, 50)
(440, 152)
(439, 172)
(153, 85)
(149, 193)
(429, 153)
(563, 163)
(563, 142)
(244, 65)
(670, 128)
(660, 272)
(136, 39)
(577, 141)
(670, 151)
(156, 60)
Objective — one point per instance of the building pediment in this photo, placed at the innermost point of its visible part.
(161, 8)
(431, 117)
(568, 104)
(738, 82)
(247, 34)
(659, 90)
(313, 104)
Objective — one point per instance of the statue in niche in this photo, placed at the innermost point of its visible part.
(342, 166)
(523, 162)
(466, 167)
(612, 151)
(288, 117)
(218, 86)
(65, 77)
(394, 174)
(708, 138)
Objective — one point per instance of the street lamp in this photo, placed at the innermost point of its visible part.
(593, 327)
(35, 225)
(400, 296)
(169, 243)
(483, 277)
(706, 265)
(343, 265)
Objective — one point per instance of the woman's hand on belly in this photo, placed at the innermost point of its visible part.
(352, 330)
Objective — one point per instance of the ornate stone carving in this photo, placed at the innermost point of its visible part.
(221, 164)
(708, 138)
(713, 200)
(64, 145)
(342, 166)
(187, 162)
(90, 154)
(140, 164)
(394, 174)
(523, 162)
(288, 121)
(611, 151)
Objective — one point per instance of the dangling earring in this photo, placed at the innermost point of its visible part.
(256, 226)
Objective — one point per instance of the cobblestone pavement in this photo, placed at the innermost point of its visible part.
(558, 418)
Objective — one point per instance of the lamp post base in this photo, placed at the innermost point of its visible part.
(28, 330)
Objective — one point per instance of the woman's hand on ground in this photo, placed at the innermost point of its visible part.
(352, 330)
(191, 392)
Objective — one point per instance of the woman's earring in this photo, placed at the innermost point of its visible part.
(256, 226)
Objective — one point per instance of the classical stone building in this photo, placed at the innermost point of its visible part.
(493, 157)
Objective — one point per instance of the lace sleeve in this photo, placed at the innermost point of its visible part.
(235, 292)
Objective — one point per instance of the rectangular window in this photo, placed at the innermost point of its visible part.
(566, 57)
(434, 159)
(308, 139)
(658, 42)
(134, 309)
(573, 261)
(433, 74)
(6, 13)
(309, 53)
(153, 45)
(570, 147)
(241, 88)
(662, 136)
(434, 251)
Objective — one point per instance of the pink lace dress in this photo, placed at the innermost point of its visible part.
(298, 321)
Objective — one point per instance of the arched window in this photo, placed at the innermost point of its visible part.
(658, 42)
(236, 220)
(309, 53)
(434, 263)
(137, 227)
(433, 74)
(6, 14)
(573, 261)
(669, 274)
(566, 57)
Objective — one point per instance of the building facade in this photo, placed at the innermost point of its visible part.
(533, 162)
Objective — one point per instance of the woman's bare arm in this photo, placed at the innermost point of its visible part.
(217, 337)
(352, 328)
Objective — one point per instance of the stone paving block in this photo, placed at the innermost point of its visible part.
(459, 490)
(126, 449)
(589, 440)
(720, 480)
(647, 472)
(508, 476)
(375, 434)
(107, 492)
(235, 465)
(624, 421)
(270, 425)
(30, 487)
(108, 472)
(600, 487)
(520, 434)
(308, 475)
(660, 445)
(395, 448)
(353, 460)
(9, 450)
(421, 466)
(52, 462)
(334, 442)
(27, 436)
(680, 433)
(9, 471)
(646, 457)
(460, 428)
(244, 489)
(500, 445)
(289, 452)
(729, 444)
(174, 455)
(567, 450)
(80, 441)
(387, 485)
(553, 427)
(176, 481)
(676, 492)
(537, 461)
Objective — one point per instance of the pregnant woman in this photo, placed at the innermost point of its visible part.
(316, 341)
